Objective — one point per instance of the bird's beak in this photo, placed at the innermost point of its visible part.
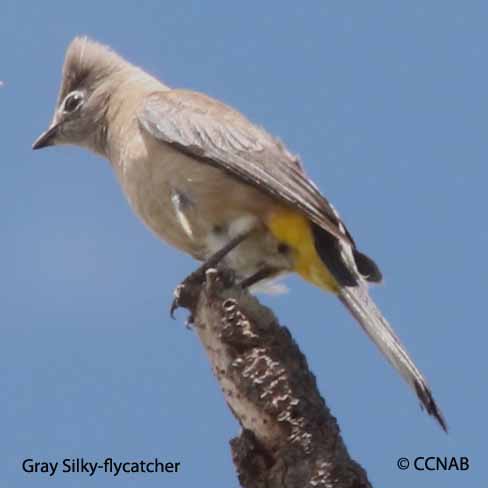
(47, 138)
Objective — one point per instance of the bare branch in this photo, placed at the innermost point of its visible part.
(289, 438)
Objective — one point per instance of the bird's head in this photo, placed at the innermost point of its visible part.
(89, 73)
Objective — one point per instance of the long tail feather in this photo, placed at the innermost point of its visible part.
(364, 310)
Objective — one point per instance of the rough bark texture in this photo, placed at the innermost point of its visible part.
(289, 437)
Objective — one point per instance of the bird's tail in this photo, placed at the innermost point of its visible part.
(359, 303)
(334, 266)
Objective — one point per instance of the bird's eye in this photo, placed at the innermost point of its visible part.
(73, 101)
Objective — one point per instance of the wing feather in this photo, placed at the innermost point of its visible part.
(222, 137)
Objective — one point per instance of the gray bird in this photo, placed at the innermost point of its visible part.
(208, 181)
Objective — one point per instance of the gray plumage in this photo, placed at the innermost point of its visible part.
(199, 173)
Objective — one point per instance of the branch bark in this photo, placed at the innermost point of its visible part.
(289, 438)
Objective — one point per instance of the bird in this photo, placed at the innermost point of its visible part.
(209, 182)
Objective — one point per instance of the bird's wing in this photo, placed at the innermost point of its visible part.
(218, 135)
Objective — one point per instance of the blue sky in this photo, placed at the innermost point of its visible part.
(385, 102)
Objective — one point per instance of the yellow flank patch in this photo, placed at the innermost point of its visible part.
(293, 229)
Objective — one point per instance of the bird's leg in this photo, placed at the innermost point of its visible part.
(186, 292)
(262, 274)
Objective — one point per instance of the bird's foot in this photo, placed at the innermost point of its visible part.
(187, 292)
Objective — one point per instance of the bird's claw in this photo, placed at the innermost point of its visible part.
(175, 304)
(186, 293)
